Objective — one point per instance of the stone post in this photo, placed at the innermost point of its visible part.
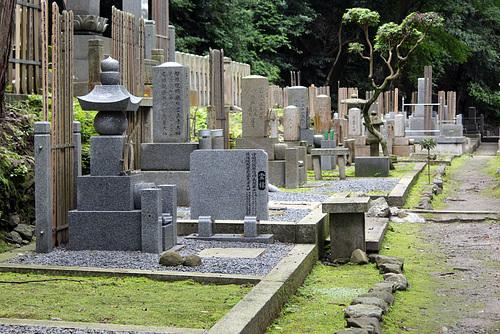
(43, 187)
(95, 57)
(347, 224)
(291, 168)
(171, 43)
(324, 110)
(149, 37)
(151, 202)
(77, 155)
(291, 122)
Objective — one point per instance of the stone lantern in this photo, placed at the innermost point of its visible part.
(111, 100)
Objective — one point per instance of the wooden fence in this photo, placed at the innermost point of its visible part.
(62, 115)
(24, 74)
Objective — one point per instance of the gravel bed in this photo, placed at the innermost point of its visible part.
(297, 197)
(258, 266)
(22, 329)
(354, 185)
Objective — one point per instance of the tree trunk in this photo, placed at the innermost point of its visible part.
(369, 125)
(7, 19)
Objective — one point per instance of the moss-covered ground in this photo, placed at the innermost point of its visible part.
(126, 300)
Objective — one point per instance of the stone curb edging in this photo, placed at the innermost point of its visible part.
(91, 325)
(258, 309)
(398, 195)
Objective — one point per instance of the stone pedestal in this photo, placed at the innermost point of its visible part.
(347, 225)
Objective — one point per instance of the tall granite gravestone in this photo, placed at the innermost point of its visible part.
(355, 124)
(422, 119)
(299, 96)
(254, 106)
(165, 160)
(323, 106)
(117, 211)
(229, 184)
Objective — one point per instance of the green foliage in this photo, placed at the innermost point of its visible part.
(428, 144)
(361, 16)
(86, 119)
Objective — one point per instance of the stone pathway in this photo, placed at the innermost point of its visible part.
(472, 249)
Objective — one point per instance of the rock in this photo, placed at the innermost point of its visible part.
(25, 231)
(378, 208)
(385, 268)
(363, 311)
(386, 296)
(13, 237)
(425, 203)
(383, 286)
(438, 181)
(365, 323)
(388, 259)
(440, 170)
(399, 280)
(359, 194)
(171, 259)
(192, 260)
(359, 257)
(353, 331)
(371, 301)
(427, 192)
(14, 220)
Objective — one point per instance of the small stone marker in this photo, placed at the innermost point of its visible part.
(291, 123)
(205, 226)
(254, 105)
(354, 129)
(250, 227)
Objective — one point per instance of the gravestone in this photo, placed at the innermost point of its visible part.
(323, 108)
(291, 123)
(399, 125)
(355, 124)
(372, 167)
(229, 184)
(171, 103)
(254, 107)
(299, 96)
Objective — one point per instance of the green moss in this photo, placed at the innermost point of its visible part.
(135, 301)
(491, 169)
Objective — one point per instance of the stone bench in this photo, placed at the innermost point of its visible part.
(347, 224)
(340, 153)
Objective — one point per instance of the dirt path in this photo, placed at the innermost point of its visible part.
(472, 250)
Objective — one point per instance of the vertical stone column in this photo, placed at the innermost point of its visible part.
(254, 106)
(355, 124)
(169, 205)
(399, 125)
(291, 168)
(95, 57)
(151, 234)
(171, 43)
(323, 110)
(43, 187)
(298, 96)
(149, 37)
(291, 123)
(77, 155)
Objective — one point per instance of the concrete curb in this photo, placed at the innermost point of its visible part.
(93, 325)
(398, 195)
(258, 309)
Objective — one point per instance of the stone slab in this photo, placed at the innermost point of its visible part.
(345, 205)
(263, 238)
(403, 151)
(371, 167)
(266, 144)
(178, 178)
(247, 253)
(238, 177)
(106, 193)
(277, 173)
(166, 156)
(254, 105)
(375, 229)
(105, 230)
